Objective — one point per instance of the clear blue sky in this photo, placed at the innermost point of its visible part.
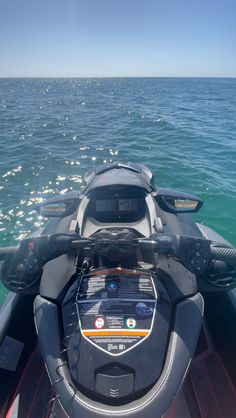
(117, 38)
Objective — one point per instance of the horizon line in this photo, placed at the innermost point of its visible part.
(102, 77)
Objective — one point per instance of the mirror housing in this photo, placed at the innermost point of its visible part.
(59, 206)
(177, 202)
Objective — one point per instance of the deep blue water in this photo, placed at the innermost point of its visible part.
(53, 130)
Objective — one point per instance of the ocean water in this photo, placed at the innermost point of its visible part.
(53, 130)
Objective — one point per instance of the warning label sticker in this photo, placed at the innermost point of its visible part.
(116, 310)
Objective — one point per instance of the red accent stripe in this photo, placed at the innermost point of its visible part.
(226, 373)
(9, 411)
(20, 383)
(205, 376)
(35, 394)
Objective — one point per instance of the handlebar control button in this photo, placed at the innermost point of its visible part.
(31, 245)
(197, 262)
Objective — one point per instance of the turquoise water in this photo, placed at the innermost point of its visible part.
(53, 130)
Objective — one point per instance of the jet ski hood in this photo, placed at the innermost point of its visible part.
(135, 175)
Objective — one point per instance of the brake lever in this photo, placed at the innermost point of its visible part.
(23, 270)
(46, 247)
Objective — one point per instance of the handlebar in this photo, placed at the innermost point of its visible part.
(164, 244)
(195, 254)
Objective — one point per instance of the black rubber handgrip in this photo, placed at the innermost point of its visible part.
(7, 251)
(226, 254)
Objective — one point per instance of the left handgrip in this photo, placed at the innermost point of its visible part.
(7, 251)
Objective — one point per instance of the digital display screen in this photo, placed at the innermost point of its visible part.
(108, 205)
(117, 205)
(128, 205)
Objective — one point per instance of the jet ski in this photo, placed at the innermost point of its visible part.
(121, 306)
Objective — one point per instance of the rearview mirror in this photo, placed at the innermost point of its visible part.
(177, 202)
(58, 206)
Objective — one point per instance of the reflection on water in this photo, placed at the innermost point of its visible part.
(53, 130)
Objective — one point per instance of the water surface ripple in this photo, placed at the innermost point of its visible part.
(53, 130)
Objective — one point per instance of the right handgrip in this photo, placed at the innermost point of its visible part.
(222, 271)
(225, 254)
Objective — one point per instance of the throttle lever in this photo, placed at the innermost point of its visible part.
(162, 244)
